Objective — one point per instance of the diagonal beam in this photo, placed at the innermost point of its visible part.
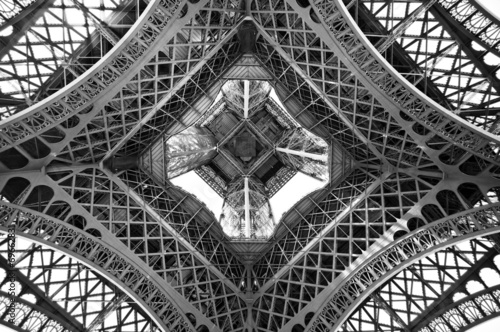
(333, 222)
(426, 240)
(400, 29)
(64, 318)
(172, 92)
(89, 250)
(314, 156)
(470, 311)
(109, 77)
(101, 26)
(110, 307)
(246, 98)
(390, 311)
(446, 298)
(316, 89)
(151, 211)
(456, 31)
(112, 241)
(22, 23)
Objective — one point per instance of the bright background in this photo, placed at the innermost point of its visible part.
(293, 191)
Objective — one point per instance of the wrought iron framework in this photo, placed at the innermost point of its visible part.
(406, 94)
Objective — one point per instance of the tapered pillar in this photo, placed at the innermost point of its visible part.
(246, 212)
(172, 156)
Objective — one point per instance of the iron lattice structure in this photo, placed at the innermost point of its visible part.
(403, 238)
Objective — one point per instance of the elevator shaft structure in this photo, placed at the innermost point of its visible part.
(172, 156)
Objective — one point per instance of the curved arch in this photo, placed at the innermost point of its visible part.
(466, 313)
(393, 89)
(370, 275)
(476, 19)
(31, 314)
(100, 257)
(94, 83)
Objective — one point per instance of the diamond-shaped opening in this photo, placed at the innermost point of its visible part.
(247, 145)
(251, 159)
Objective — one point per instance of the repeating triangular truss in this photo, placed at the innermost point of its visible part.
(397, 240)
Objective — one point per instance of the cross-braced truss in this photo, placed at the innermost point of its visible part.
(404, 237)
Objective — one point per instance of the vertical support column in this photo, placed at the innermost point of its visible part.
(246, 98)
(248, 225)
(248, 7)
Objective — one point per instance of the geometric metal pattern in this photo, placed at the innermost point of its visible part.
(399, 239)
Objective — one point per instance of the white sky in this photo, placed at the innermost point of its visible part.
(492, 325)
(193, 184)
(299, 186)
(488, 326)
(493, 6)
(295, 189)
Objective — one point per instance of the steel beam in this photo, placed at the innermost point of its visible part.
(456, 31)
(332, 223)
(183, 81)
(478, 222)
(314, 156)
(58, 313)
(315, 88)
(170, 229)
(248, 222)
(74, 238)
(446, 298)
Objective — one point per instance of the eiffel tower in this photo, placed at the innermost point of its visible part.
(390, 107)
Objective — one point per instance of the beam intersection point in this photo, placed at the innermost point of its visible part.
(156, 155)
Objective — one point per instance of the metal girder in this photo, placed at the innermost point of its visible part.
(481, 25)
(100, 25)
(314, 87)
(115, 303)
(94, 40)
(45, 304)
(65, 61)
(416, 210)
(313, 241)
(162, 221)
(172, 262)
(99, 256)
(456, 31)
(22, 22)
(382, 303)
(397, 53)
(401, 99)
(401, 27)
(96, 224)
(445, 301)
(94, 89)
(467, 312)
(186, 77)
(33, 313)
(402, 253)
